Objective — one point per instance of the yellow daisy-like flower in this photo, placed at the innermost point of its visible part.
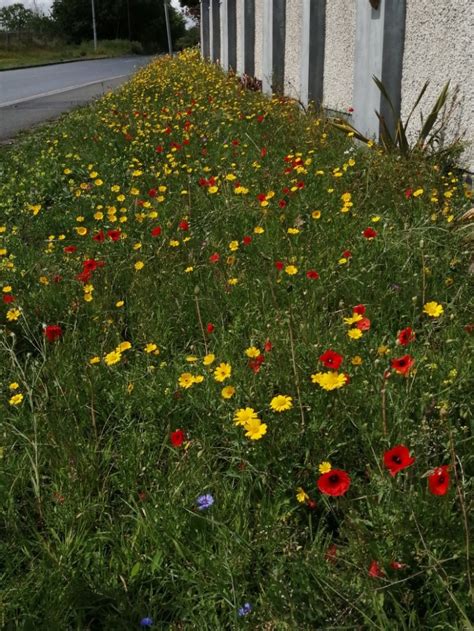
(232, 281)
(198, 379)
(123, 346)
(281, 402)
(81, 231)
(212, 189)
(258, 230)
(14, 385)
(191, 359)
(433, 309)
(139, 265)
(357, 360)
(301, 495)
(244, 415)
(418, 192)
(151, 348)
(186, 380)
(227, 392)
(7, 289)
(324, 467)
(222, 372)
(113, 358)
(94, 360)
(329, 380)
(255, 429)
(291, 270)
(119, 304)
(383, 350)
(13, 315)
(354, 334)
(208, 359)
(293, 231)
(356, 317)
(189, 269)
(252, 352)
(316, 214)
(233, 246)
(16, 399)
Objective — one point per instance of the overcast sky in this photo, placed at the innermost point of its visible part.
(45, 5)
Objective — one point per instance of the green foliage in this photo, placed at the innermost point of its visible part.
(15, 17)
(429, 138)
(98, 513)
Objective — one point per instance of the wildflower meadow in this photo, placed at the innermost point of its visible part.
(235, 369)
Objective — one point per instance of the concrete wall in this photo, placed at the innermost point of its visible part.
(339, 53)
(259, 38)
(439, 45)
(293, 42)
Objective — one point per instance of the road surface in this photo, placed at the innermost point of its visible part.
(32, 95)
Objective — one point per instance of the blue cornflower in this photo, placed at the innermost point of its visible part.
(204, 501)
(245, 610)
(146, 622)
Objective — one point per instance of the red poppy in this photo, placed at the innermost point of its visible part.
(282, 203)
(311, 504)
(408, 193)
(159, 149)
(406, 336)
(70, 249)
(177, 438)
(210, 327)
(335, 482)
(438, 481)
(155, 232)
(403, 364)
(214, 257)
(312, 274)
(8, 299)
(90, 265)
(375, 570)
(256, 364)
(247, 240)
(152, 192)
(360, 309)
(397, 458)
(267, 347)
(99, 236)
(279, 265)
(183, 225)
(347, 254)
(263, 152)
(331, 359)
(363, 325)
(52, 332)
(369, 233)
(114, 234)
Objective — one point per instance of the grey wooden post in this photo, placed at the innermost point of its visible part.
(215, 30)
(380, 35)
(249, 37)
(273, 61)
(205, 35)
(313, 32)
(229, 34)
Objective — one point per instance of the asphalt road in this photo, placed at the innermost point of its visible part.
(31, 95)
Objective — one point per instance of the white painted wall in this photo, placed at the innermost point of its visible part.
(259, 39)
(439, 45)
(339, 53)
(293, 48)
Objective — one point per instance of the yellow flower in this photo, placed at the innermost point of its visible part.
(232, 281)
(354, 334)
(94, 360)
(227, 392)
(7, 289)
(198, 379)
(233, 246)
(14, 385)
(433, 309)
(119, 303)
(291, 270)
(357, 360)
(346, 197)
(342, 261)
(222, 372)
(244, 415)
(212, 190)
(324, 467)
(13, 315)
(151, 348)
(255, 429)
(301, 495)
(258, 230)
(418, 192)
(383, 350)
(81, 231)
(329, 380)
(316, 214)
(356, 317)
(191, 359)
(293, 231)
(88, 297)
(139, 265)
(16, 399)
(123, 346)
(186, 380)
(189, 269)
(174, 243)
(252, 352)
(113, 358)
(208, 359)
(281, 402)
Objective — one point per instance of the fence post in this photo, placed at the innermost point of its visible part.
(312, 51)
(228, 34)
(273, 61)
(380, 35)
(205, 35)
(215, 30)
(248, 38)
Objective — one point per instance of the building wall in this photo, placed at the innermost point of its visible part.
(259, 38)
(293, 40)
(439, 45)
(339, 54)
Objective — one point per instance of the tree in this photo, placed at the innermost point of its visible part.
(141, 20)
(192, 8)
(16, 17)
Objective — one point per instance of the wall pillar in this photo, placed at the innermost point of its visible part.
(229, 34)
(249, 37)
(215, 30)
(313, 32)
(380, 35)
(273, 62)
(205, 34)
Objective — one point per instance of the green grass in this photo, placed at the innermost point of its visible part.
(36, 55)
(100, 524)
